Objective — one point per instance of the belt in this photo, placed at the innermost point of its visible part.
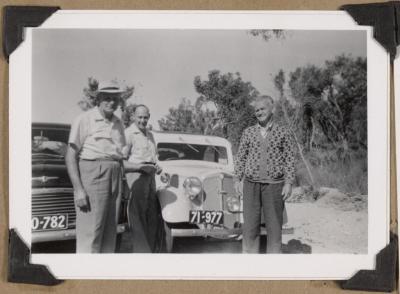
(102, 159)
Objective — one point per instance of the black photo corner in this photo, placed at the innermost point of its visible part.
(20, 270)
(383, 17)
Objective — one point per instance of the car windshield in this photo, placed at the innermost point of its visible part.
(49, 142)
(187, 151)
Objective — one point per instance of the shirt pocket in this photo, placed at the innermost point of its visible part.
(102, 134)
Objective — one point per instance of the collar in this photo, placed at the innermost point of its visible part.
(268, 127)
(98, 117)
(136, 130)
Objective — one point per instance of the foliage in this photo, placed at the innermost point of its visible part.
(188, 118)
(328, 115)
(333, 104)
(268, 34)
(89, 92)
(232, 97)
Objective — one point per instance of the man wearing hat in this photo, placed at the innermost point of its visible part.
(93, 161)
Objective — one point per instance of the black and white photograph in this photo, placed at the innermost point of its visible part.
(148, 144)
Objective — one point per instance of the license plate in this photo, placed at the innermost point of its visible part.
(50, 222)
(206, 217)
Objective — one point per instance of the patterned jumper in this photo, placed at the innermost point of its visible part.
(266, 160)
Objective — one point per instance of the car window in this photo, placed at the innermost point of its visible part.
(52, 141)
(183, 151)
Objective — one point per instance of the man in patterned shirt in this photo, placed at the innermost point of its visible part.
(265, 163)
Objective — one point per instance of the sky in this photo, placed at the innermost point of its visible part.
(162, 64)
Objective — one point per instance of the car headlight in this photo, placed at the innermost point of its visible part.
(193, 186)
(233, 203)
(165, 178)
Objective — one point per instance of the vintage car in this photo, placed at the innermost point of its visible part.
(195, 189)
(53, 209)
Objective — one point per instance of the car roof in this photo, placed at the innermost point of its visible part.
(176, 137)
(159, 136)
(50, 125)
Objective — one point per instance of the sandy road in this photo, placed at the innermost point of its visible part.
(319, 227)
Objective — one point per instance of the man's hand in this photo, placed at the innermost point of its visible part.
(158, 169)
(82, 200)
(148, 169)
(286, 191)
(237, 186)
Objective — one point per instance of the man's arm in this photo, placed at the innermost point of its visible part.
(139, 167)
(289, 159)
(240, 161)
(71, 160)
(241, 156)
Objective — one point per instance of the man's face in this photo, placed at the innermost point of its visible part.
(108, 103)
(141, 117)
(263, 110)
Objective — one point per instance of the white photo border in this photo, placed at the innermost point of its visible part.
(396, 72)
(203, 266)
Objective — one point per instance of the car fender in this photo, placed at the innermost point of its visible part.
(175, 205)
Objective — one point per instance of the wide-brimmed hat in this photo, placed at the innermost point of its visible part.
(109, 87)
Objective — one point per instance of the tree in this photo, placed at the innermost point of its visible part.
(333, 103)
(232, 97)
(189, 118)
(88, 100)
(268, 34)
(281, 111)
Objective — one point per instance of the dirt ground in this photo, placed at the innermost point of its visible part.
(334, 222)
(324, 221)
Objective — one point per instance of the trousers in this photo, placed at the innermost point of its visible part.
(96, 230)
(143, 211)
(267, 198)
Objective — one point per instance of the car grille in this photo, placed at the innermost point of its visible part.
(54, 201)
(213, 186)
(215, 200)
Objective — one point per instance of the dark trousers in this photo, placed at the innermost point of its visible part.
(143, 213)
(268, 197)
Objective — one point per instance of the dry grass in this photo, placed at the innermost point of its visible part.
(349, 173)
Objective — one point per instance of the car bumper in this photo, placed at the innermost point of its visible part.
(48, 236)
(226, 233)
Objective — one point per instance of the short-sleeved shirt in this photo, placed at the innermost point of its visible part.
(97, 138)
(141, 146)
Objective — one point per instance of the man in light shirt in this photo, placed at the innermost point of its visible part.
(93, 160)
(140, 172)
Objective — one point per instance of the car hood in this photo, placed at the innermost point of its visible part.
(194, 168)
(49, 173)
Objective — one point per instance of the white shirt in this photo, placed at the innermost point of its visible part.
(97, 138)
(140, 147)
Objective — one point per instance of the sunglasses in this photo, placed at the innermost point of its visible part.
(108, 98)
